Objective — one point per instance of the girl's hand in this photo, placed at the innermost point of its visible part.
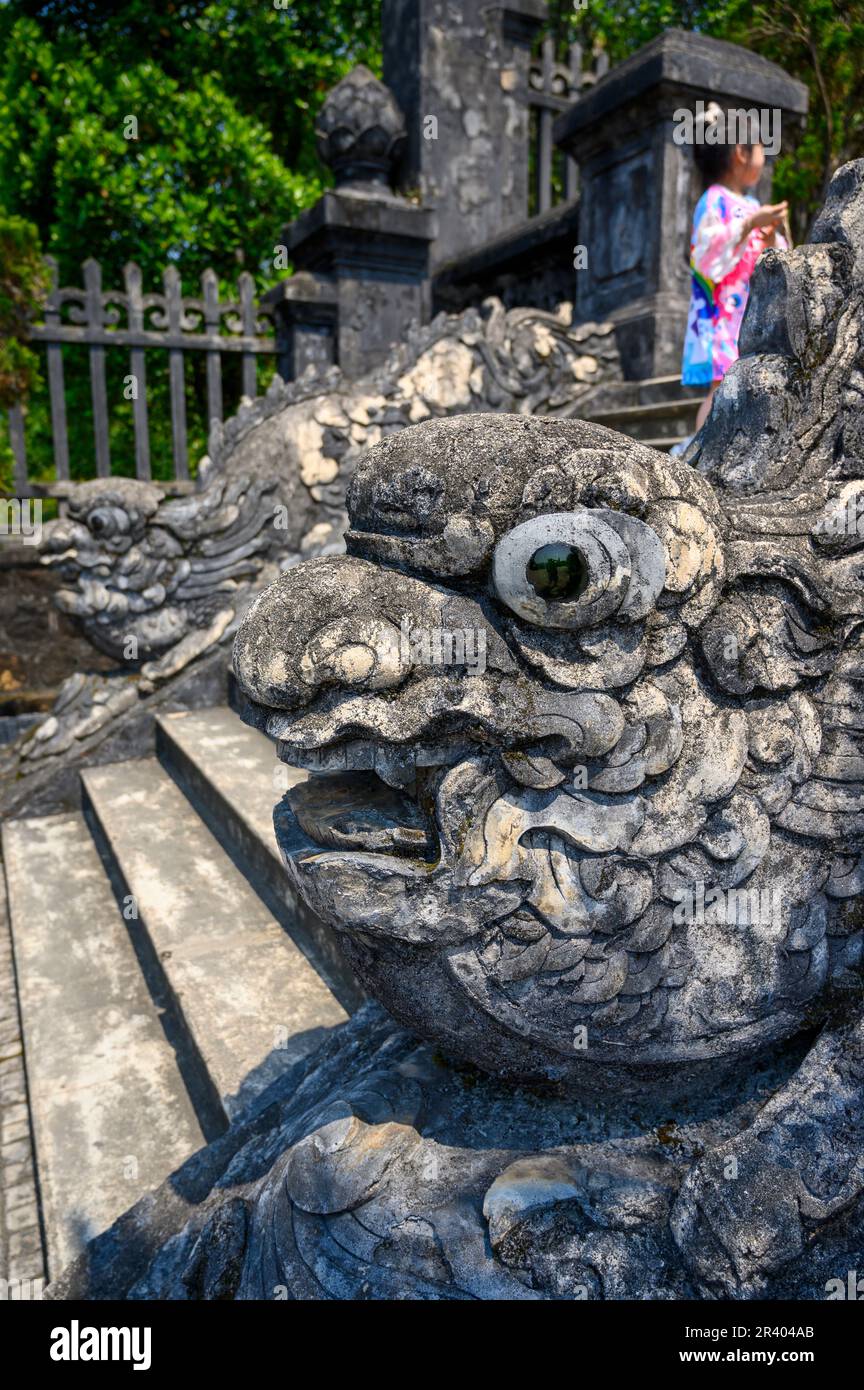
(769, 216)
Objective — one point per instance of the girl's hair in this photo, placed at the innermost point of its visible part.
(713, 161)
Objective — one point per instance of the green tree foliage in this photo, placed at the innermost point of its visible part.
(23, 282)
(821, 42)
(621, 26)
(225, 96)
(223, 154)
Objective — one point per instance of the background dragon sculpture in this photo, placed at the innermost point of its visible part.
(160, 584)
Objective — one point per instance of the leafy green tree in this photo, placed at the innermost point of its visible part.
(619, 27)
(821, 42)
(23, 282)
(182, 131)
(224, 99)
(164, 133)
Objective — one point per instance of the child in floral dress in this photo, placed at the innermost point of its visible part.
(730, 232)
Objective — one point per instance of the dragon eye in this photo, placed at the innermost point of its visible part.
(103, 522)
(557, 571)
(575, 569)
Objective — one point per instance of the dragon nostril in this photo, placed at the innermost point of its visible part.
(558, 571)
(353, 664)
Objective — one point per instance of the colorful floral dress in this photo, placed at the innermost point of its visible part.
(721, 265)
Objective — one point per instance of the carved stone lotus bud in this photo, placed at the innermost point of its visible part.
(360, 129)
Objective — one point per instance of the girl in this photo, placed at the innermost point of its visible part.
(730, 232)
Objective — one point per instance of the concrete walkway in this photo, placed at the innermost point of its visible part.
(22, 1262)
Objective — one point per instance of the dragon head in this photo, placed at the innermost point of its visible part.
(544, 746)
(583, 723)
(117, 565)
(137, 566)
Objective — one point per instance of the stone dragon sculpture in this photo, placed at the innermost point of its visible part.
(161, 583)
(620, 854)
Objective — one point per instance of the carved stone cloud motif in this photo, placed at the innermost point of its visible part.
(136, 564)
(159, 582)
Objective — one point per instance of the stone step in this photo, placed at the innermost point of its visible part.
(659, 434)
(666, 442)
(232, 777)
(615, 396)
(664, 388)
(621, 416)
(660, 424)
(110, 1114)
(248, 1001)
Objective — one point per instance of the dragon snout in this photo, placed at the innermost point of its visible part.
(62, 539)
(342, 622)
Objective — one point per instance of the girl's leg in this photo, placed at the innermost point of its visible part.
(705, 408)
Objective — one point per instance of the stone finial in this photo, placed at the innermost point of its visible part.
(360, 129)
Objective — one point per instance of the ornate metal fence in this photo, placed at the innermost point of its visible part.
(170, 322)
(552, 87)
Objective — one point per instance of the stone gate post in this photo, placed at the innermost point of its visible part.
(639, 188)
(457, 67)
(364, 248)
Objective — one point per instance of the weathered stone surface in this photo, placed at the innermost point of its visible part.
(615, 840)
(362, 242)
(643, 809)
(360, 129)
(110, 1114)
(377, 1171)
(250, 1000)
(465, 66)
(800, 1165)
(230, 775)
(524, 884)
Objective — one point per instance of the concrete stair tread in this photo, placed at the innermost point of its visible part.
(231, 775)
(251, 1002)
(240, 763)
(658, 410)
(111, 1116)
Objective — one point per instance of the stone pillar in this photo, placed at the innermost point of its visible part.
(639, 188)
(458, 69)
(306, 309)
(368, 244)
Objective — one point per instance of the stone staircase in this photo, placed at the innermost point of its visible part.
(658, 411)
(165, 973)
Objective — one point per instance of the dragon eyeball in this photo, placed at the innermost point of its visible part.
(558, 572)
(106, 522)
(575, 569)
